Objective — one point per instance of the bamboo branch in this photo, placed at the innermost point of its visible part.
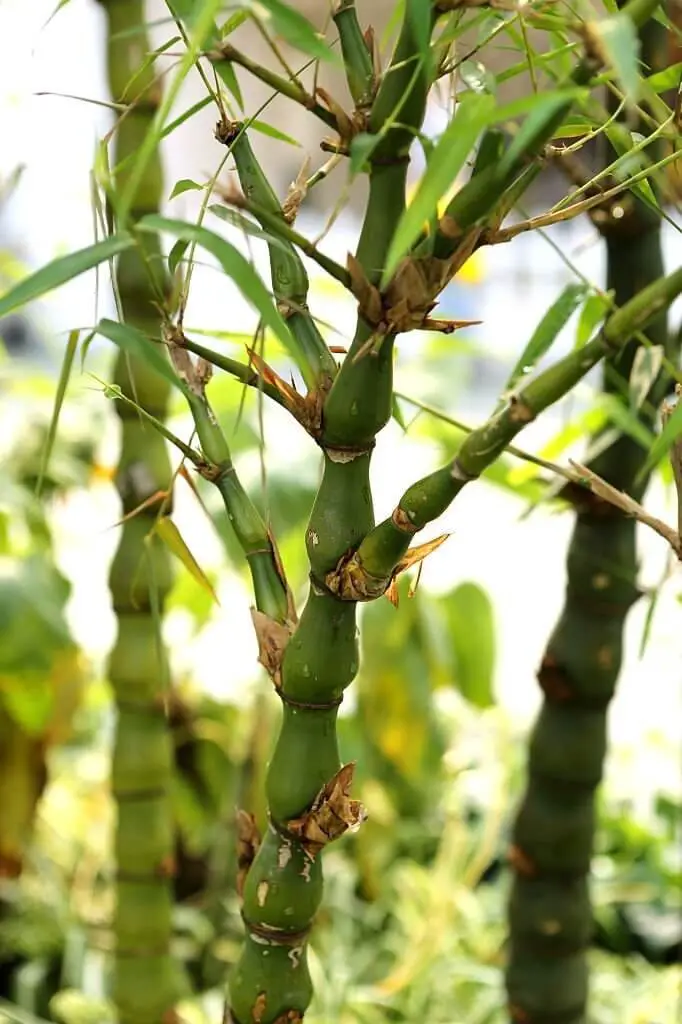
(365, 573)
(282, 86)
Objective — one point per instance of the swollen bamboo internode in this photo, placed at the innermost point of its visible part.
(147, 981)
(550, 913)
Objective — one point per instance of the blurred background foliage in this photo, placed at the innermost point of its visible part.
(412, 926)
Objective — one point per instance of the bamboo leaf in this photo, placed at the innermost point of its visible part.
(627, 421)
(61, 270)
(273, 133)
(645, 369)
(226, 73)
(234, 265)
(547, 331)
(668, 78)
(185, 116)
(176, 254)
(62, 384)
(671, 431)
(592, 314)
(173, 539)
(538, 127)
(249, 227)
(203, 26)
(445, 163)
(297, 30)
(618, 41)
(132, 340)
(185, 185)
(472, 630)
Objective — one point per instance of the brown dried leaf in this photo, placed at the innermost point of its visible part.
(288, 393)
(248, 841)
(296, 193)
(392, 593)
(333, 812)
(368, 296)
(273, 638)
(344, 124)
(413, 556)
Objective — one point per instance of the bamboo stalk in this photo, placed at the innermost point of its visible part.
(148, 982)
(550, 914)
(307, 789)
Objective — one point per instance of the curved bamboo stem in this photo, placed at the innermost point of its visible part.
(147, 981)
(550, 914)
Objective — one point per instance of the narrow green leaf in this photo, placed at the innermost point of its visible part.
(176, 254)
(203, 24)
(274, 133)
(185, 116)
(445, 163)
(591, 315)
(620, 45)
(61, 270)
(228, 76)
(668, 78)
(234, 265)
(547, 331)
(645, 369)
(672, 430)
(249, 227)
(296, 29)
(472, 630)
(62, 384)
(361, 148)
(233, 22)
(549, 110)
(173, 539)
(130, 339)
(627, 421)
(185, 185)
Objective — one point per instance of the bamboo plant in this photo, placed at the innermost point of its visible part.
(405, 256)
(550, 915)
(147, 981)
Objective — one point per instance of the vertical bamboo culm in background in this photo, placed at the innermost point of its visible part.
(147, 980)
(550, 914)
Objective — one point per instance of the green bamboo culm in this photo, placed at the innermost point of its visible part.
(550, 914)
(147, 981)
(307, 788)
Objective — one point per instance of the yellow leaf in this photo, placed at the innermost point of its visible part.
(172, 538)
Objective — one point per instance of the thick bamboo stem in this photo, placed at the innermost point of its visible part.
(550, 914)
(147, 980)
(308, 790)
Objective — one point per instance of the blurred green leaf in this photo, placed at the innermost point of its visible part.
(591, 315)
(234, 265)
(645, 369)
(620, 44)
(472, 633)
(185, 185)
(174, 541)
(663, 443)
(61, 270)
(296, 29)
(547, 331)
(62, 384)
(130, 339)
